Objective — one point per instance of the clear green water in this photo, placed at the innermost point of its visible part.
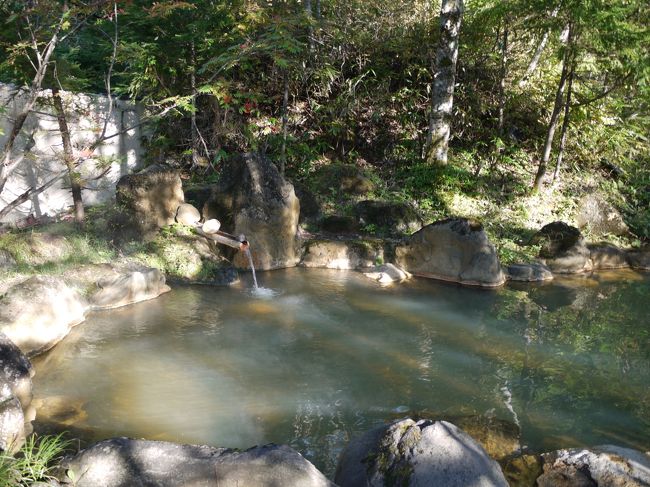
(332, 355)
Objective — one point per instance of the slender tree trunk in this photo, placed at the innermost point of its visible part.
(194, 131)
(565, 124)
(442, 92)
(310, 33)
(552, 126)
(7, 164)
(318, 11)
(68, 156)
(532, 66)
(285, 118)
(502, 84)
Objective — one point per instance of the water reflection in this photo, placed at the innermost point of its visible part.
(332, 355)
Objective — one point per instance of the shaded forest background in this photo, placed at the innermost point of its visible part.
(561, 84)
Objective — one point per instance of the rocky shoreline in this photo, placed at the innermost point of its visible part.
(39, 311)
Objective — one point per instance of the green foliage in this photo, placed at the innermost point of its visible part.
(35, 462)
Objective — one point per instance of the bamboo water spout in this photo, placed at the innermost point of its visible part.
(210, 230)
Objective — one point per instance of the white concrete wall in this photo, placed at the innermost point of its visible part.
(40, 144)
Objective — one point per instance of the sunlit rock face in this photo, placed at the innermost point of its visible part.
(128, 288)
(343, 254)
(456, 250)
(608, 465)
(122, 462)
(148, 201)
(412, 454)
(253, 199)
(563, 248)
(39, 312)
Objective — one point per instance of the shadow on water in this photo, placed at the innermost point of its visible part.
(330, 355)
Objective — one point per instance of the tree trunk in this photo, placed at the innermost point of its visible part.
(550, 134)
(7, 165)
(194, 128)
(502, 83)
(565, 124)
(442, 92)
(310, 27)
(532, 66)
(68, 156)
(285, 118)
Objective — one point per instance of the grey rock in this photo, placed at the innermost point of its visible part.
(12, 424)
(147, 201)
(598, 217)
(528, 272)
(607, 256)
(123, 462)
(39, 312)
(413, 454)
(310, 209)
(253, 199)
(16, 372)
(187, 214)
(639, 258)
(388, 217)
(456, 250)
(343, 254)
(563, 248)
(129, 288)
(605, 466)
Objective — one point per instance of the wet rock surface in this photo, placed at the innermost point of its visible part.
(528, 272)
(123, 462)
(387, 274)
(456, 250)
(607, 256)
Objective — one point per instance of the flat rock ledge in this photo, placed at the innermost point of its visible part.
(40, 311)
(124, 462)
(412, 454)
(605, 466)
(349, 254)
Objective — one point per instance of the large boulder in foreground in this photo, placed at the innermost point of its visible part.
(253, 199)
(39, 312)
(148, 200)
(407, 453)
(456, 250)
(605, 466)
(563, 248)
(123, 462)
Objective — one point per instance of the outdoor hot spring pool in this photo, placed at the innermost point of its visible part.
(330, 354)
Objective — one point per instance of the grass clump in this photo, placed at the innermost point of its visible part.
(36, 461)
